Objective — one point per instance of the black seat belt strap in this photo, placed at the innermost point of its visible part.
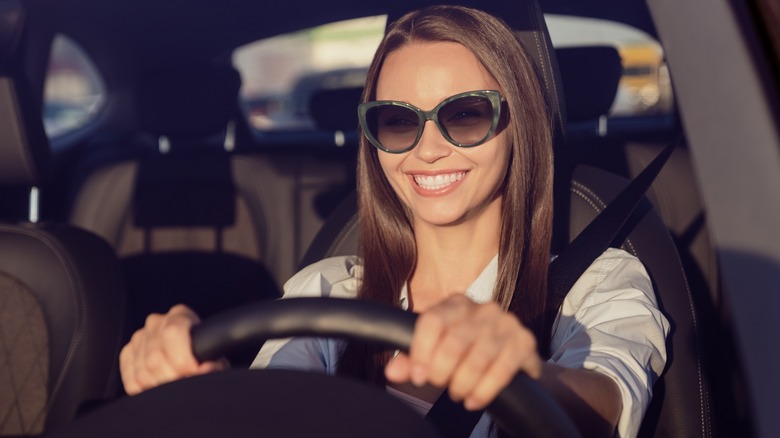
(572, 262)
(451, 419)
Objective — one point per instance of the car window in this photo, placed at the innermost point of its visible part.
(279, 74)
(74, 92)
(645, 87)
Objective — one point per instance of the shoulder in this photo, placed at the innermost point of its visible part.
(614, 298)
(614, 274)
(613, 307)
(332, 277)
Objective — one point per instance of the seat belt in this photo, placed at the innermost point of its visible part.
(453, 420)
(572, 262)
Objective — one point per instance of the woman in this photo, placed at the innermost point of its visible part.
(455, 220)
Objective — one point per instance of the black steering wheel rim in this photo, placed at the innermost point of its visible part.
(523, 408)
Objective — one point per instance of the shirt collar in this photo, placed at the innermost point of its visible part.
(480, 291)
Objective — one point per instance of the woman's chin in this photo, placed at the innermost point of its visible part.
(440, 219)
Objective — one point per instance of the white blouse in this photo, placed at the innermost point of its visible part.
(609, 322)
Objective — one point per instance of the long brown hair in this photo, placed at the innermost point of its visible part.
(387, 244)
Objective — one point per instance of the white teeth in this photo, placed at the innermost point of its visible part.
(438, 181)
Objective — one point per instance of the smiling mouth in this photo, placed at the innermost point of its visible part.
(437, 182)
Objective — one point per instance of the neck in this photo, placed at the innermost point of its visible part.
(450, 258)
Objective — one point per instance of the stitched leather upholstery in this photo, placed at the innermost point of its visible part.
(24, 358)
(73, 279)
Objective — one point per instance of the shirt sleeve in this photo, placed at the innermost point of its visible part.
(335, 277)
(610, 323)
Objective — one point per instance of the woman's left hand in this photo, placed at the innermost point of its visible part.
(474, 349)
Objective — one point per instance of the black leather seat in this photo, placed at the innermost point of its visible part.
(681, 405)
(61, 290)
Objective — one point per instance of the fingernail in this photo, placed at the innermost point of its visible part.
(390, 373)
(470, 404)
(418, 375)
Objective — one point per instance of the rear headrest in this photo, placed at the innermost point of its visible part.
(11, 25)
(190, 190)
(590, 77)
(335, 109)
(193, 101)
(24, 147)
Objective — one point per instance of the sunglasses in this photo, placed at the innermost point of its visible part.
(465, 120)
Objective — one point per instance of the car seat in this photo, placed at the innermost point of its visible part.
(189, 223)
(681, 404)
(61, 290)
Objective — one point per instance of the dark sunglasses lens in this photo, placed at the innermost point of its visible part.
(467, 120)
(394, 127)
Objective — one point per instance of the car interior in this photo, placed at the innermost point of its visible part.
(193, 213)
(171, 193)
(61, 331)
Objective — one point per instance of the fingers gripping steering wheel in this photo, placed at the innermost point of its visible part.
(523, 408)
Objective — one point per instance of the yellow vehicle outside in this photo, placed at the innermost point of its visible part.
(645, 86)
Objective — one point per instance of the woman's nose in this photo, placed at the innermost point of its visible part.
(432, 145)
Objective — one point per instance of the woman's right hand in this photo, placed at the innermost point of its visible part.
(161, 351)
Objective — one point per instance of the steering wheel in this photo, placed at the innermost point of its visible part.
(523, 408)
(227, 403)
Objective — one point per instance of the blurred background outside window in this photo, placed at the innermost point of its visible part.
(74, 92)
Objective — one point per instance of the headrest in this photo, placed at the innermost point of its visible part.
(11, 24)
(24, 147)
(590, 77)
(335, 109)
(185, 190)
(192, 101)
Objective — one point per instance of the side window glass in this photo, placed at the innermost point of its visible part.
(279, 74)
(644, 88)
(74, 92)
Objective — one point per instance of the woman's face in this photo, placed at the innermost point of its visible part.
(440, 183)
